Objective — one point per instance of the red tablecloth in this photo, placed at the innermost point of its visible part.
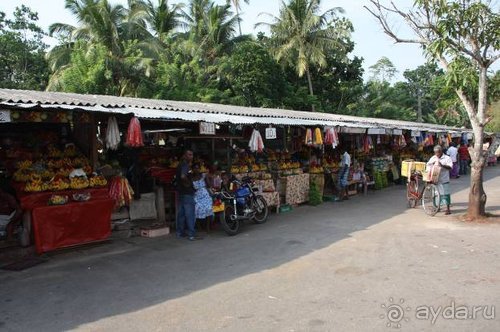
(29, 201)
(75, 223)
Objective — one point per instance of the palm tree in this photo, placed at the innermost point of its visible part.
(220, 24)
(300, 37)
(112, 26)
(160, 18)
(237, 7)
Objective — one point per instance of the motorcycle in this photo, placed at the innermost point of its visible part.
(243, 203)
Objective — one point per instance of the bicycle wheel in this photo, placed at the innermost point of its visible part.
(431, 200)
(412, 193)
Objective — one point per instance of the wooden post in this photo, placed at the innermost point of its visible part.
(160, 204)
(93, 142)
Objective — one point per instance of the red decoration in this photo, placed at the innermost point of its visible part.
(134, 133)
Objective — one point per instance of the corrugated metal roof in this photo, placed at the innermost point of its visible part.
(196, 111)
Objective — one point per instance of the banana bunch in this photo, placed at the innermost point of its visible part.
(35, 184)
(79, 182)
(59, 184)
(97, 181)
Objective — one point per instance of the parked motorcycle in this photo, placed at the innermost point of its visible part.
(243, 203)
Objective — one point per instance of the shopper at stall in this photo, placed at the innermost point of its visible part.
(464, 157)
(343, 180)
(185, 198)
(202, 198)
(441, 160)
(453, 153)
(10, 214)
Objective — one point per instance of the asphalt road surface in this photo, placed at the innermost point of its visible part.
(358, 265)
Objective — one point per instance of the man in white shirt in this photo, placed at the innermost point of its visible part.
(441, 160)
(343, 179)
(453, 153)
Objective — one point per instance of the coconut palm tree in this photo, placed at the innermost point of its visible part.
(301, 36)
(237, 7)
(112, 26)
(160, 18)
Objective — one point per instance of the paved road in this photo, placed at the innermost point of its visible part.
(325, 268)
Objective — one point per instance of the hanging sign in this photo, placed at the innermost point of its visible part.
(207, 128)
(376, 131)
(270, 133)
(397, 132)
(5, 116)
(349, 130)
(415, 133)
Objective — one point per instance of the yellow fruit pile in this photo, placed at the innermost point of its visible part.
(98, 181)
(59, 184)
(58, 200)
(79, 183)
(35, 184)
(316, 170)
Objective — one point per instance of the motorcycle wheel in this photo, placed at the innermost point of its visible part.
(230, 226)
(261, 210)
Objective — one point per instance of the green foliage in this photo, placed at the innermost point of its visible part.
(259, 81)
(88, 72)
(383, 70)
(22, 51)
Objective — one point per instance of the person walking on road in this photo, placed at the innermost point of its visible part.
(185, 199)
(464, 157)
(443, 184)
(453, 153)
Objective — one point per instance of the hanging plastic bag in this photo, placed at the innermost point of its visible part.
(329, 137)
(256, 143)
(112, 134)
(134, 133)
(318, 139)
(309, 137)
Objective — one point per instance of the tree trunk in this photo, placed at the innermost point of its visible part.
(311, 91)
(419, 105)
(477, 196)
(239, 22)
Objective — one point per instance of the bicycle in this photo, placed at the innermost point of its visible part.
(428, 194)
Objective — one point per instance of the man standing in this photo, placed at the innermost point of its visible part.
(453, 153)
(185, 198)
(463, 156)
(441, 160)
(343, 180)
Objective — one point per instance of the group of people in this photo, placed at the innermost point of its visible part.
(194, 195)
(460, 158)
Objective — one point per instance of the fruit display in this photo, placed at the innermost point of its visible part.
(58, 200)
(97, 181)
(288, 165)
(35, 184)
(59, 183)
(22, 175)
(79, 182)
(316, 169)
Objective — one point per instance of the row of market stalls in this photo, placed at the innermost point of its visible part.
(77, 162)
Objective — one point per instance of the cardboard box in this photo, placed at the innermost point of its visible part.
(155, 231)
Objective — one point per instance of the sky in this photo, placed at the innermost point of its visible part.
(371, 42)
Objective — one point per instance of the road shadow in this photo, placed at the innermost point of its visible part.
(87, 285)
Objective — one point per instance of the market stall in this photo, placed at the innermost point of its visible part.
(64, 201)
